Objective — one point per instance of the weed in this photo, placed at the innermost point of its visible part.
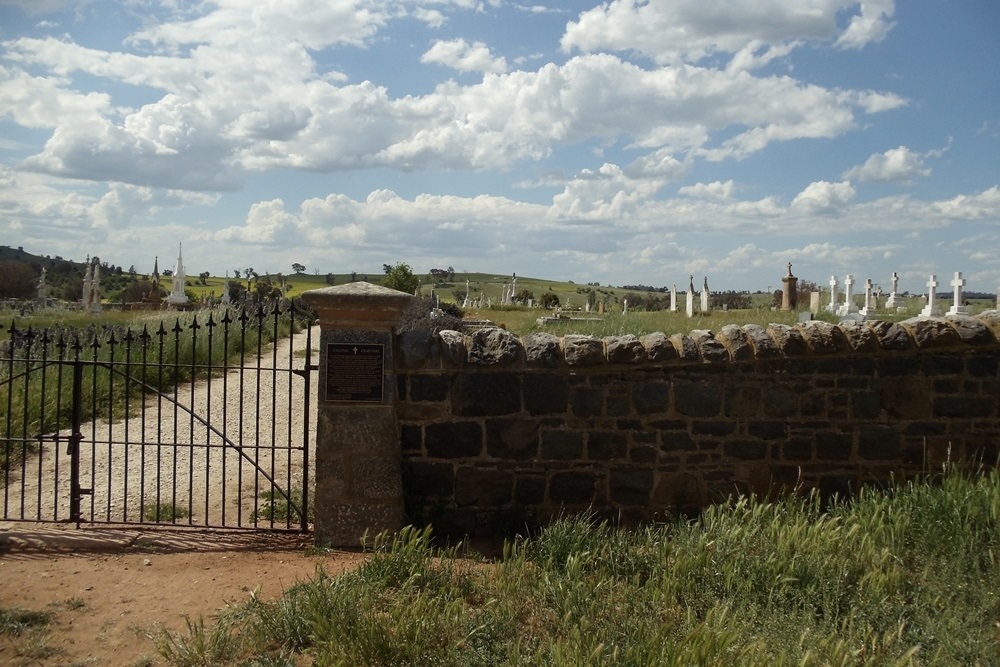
(164, 512)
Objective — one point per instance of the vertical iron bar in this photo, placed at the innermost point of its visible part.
(75, 438)
(225, 404)
(41, 416)
(25, 434)
(274, 409)
(7, 431)
(307, 405)
(194, 353)
(176, 383)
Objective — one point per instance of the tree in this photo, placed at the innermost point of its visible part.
(236, 273)
(354, 276)
(298, 268)
(331, 279)
(203, 277)
(401, 278)
(524, 296)
(17, 280)
(550, 300)
(386, 268)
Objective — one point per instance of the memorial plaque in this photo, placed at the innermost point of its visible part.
(354, 372)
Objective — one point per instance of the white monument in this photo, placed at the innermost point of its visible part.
(673, 298)
(848, 307)
(704, 296)
(895, 301)
(690, 297)
(931, 309)
(833, 294)
(868, 308)
(957, 306)
(177, 296)
(624, 306)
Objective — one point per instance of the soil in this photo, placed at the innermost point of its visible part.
(112, 592)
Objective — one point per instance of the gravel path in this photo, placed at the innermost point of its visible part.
(174, 452)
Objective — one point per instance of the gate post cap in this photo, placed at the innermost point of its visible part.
(359, 303)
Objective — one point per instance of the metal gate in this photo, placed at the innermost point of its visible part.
(194, 419)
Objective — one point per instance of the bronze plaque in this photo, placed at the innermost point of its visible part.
(354, 372)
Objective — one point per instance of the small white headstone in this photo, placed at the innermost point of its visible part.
(931, 309)
(833, 294)
(957, 306)
(673, 298)
(690, 298)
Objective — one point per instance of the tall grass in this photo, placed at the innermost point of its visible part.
(908, 576)
(120, 364)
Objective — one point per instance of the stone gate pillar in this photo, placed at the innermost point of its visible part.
(789, 290)
(358, 460)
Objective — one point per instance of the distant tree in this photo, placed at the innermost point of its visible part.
(401, 278)
(550, 300)
(131, 270)
(451, 273)
(354, 276)
(17, 280)
(524, 295)
(236, 273)
(331, 279)
(298, 268)
(386, 268)
(135, 292)
(591, 298)
(167, 273)
(203, 277)
(459, 295)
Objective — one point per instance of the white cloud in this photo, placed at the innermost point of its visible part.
(823, 197)
(871, 25)
(464, 57)
(895, 165)
(714, 190)
(691, 30)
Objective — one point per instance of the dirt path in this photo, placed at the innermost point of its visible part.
(112, 592)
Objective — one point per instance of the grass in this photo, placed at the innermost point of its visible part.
(910, 575)
(273, 507)
(164, 512)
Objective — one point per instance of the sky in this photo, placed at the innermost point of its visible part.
(625, 142)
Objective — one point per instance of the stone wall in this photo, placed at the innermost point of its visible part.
(498, 431)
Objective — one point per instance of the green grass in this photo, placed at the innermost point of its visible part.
(164, 512)
(905, 576)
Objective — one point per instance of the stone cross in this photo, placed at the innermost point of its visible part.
(833, 294)
(957, 307)
(690, 297)
(894, 301)
(868, 309)
(931, 309)
(848, 306)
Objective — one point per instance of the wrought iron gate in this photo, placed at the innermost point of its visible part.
(199, 419)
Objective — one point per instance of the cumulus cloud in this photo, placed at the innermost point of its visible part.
(691, 30)
(824, 197)
(464, 57)
(714, 190)
(895, 165)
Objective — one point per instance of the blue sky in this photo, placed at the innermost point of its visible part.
(621, 143)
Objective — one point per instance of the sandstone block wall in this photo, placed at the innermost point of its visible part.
(498, 431)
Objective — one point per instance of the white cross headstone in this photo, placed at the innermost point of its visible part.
(868, 308)
(833, 294)
(957, 307)
(931, 309)
(895, 301)
(690, 298)
(848, 307)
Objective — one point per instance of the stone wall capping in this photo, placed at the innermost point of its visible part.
(823, 337)
(496, 347)
(625, 349)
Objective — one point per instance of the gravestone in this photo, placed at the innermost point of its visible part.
(814, 302)
(704, 296)
(673, 298)
(789, 290)
(177, 296)
(868, 308)
(690, 298)
(833, 294)
(848, 307)
(931, 309)
(958, 306)
(895, 301)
